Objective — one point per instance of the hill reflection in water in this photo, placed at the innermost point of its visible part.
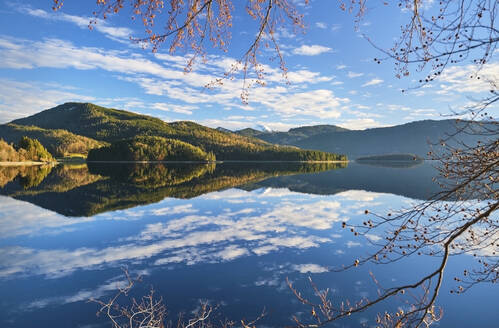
(97, 188)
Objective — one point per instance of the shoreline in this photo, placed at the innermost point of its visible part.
(26, 163)
(30, 163)
(214, 162)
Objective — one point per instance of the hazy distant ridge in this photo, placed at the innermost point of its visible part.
(414, 137)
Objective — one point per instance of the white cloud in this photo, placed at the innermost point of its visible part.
(351, 244)
(181, 109)
(276, 126)
(80, 296)
(232, 252)
(282, 33)
(19, 99)
(335, 27)
(18, 218)
(312, 50)
(341, 66)
(424, 5)
(102, 26)
(374, 81)
(310, 268)
(394, 107)
(359, 195)
(354, 74)
(268, 282)
(234, 123)
(228, 123)
(372, 237)
(460, 79)
(265, 249)
(302, 76)
(190, 239)
(320, 215)
(421, 113)
(319, 103)
(361, 124)
(321, 25)
(366, 115)
(298, 242)
(162, 79)
(179, 209)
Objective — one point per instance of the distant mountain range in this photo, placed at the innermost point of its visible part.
(290, 137)
(81, 127)
(414, 137)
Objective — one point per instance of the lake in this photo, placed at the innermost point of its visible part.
(226, 234)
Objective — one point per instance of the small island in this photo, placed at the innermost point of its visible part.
(391, 160)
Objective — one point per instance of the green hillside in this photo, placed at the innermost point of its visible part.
(58, 142)
(111, 125)
(150, 149)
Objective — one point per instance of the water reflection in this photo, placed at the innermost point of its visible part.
(188, 234)
(414, 182)
(211, 234)
(86, 191)
(230, 234)
(28, 176)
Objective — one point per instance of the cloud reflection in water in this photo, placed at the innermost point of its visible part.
(183, 234)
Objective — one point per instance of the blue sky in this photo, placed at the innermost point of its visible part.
(49, 58)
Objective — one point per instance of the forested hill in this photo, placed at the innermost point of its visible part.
(415, 138)
(112, 125)
(58, 142)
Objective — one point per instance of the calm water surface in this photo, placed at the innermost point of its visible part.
(227, 234)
